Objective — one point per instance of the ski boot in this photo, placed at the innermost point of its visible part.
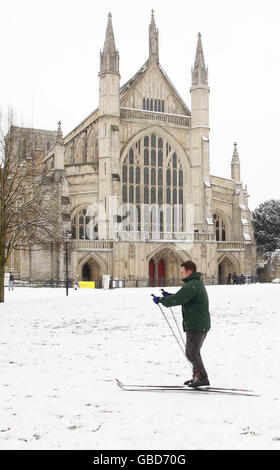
(199, 381)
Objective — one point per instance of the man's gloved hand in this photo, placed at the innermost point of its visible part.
(164, 293)
(156, 299)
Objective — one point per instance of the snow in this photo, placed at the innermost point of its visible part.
(60, 355)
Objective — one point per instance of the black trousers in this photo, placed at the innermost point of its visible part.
(193, 346)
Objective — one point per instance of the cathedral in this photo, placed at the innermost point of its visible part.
(136, 181)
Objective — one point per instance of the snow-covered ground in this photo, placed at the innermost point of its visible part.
(59, 357)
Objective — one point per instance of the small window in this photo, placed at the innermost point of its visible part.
(160, 196)
(160, 177)
(131, 194)
(137, 175)
(146, 195)
(181, 178)
(146, 157)
(146, 175)
(124, 193)
(153, 195)
(124, 174)
(153, 176)
(131, 174)
(137, 193)
(168, 177)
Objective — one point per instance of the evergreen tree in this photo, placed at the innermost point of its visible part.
(266, 223)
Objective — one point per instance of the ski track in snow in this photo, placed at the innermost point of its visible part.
(60, 355)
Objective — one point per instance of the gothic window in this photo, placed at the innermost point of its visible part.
(220, 227)
(153, 104)
(152, 173)
(82, 226)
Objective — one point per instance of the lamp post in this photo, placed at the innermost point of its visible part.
(68, 237)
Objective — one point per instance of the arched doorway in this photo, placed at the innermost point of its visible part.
(227, 265)
(90, 270)
(164, 268)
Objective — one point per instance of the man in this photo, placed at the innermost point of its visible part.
(196, 318)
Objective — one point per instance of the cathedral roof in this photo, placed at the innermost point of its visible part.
(140, 74)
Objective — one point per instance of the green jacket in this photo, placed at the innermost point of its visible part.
(195, 306)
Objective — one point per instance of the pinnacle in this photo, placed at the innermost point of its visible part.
(235, 156)
(199, 71)
(109, 44)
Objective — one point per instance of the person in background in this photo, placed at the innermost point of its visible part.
(229, 279)
(11, 282)
(242, 279)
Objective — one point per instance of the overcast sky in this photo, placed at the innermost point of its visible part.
(50, 63)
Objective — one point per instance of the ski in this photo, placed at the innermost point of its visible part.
(182, 389)
(185, 387)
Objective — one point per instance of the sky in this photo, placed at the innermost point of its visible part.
(50, 63)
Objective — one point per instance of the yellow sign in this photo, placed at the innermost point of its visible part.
(87, 284)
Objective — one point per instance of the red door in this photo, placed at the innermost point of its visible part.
(151, 273)
(161, 273)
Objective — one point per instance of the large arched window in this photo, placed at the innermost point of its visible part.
(220, 227)
(152, 173)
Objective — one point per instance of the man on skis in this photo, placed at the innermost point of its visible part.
(196, 318)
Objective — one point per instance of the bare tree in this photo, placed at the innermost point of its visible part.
(29, 212)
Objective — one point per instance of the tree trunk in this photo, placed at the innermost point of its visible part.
(2, 278)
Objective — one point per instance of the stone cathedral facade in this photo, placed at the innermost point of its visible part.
(142, 198)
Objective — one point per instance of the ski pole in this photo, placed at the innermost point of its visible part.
(176, 323)
(178, 342)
